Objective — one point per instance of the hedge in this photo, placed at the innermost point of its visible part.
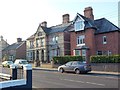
(65, 59)
(105, 59)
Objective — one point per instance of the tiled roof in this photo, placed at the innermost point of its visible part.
(100, 25)
(14, 46)
(103, 25)
(31, 37)
(59, 28)
(55, 29)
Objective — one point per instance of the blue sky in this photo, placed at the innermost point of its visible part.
(20, 18)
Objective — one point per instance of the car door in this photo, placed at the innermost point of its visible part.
(68, 66)
(74, 65)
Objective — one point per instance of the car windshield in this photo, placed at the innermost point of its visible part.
(10, 62)
(24, 62)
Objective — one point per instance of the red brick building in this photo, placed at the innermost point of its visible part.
(16, 50)
(93, 37)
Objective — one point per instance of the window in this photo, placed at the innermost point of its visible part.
(79, 25)
(55, 39)
(31, 44)
(109, 53)
(80, 40)
(37, 42)
(39, 33)
(77, 52)
(99, 52)
(74, 63)
(104, 40)
(42, 42)
(69, 63)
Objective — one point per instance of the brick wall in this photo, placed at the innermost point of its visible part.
(112, 42)
(21, 51)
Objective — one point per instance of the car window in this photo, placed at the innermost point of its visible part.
(24, 62)
(74, 63)
(69, 63)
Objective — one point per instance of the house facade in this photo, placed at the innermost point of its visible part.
(16, 50)
(83, 36)
(94, 37)
(49, 41)
(3, 44)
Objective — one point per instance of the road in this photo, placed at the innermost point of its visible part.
(50, 79)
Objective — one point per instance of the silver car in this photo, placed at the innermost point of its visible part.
(75, 66)
(7, 63)
(20, 62)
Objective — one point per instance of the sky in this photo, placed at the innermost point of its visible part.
(21, 18)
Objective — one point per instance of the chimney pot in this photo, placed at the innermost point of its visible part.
(19, 39)
(88, 13)
(65, 18)
(44, 24)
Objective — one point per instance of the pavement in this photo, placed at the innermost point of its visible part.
(96, 72)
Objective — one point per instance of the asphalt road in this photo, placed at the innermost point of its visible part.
(51, 79)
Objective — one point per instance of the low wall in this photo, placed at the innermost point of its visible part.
(108, 67)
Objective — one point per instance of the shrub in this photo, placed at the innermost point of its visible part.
(65, 59)
(105, 59)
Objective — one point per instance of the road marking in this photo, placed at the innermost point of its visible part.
(84, 82)
(95, 83)
(87, 75)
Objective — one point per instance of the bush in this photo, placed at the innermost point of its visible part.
(65, 59)
(105, 59)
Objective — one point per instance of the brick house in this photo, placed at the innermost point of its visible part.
(49, 41)
(93, 37)
(16, 50)
(3, 44)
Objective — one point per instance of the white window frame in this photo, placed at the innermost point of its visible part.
(79, 24)
(79, 52)
(81, 40)
(104, 39)
(99, 51)
(55, 39)
(42, 42)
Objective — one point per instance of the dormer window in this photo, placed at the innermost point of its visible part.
(79, 25)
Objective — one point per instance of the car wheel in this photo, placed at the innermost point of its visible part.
(8, 66)
(77, 71)
(61, 70)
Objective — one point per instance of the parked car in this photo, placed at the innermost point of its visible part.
(7, 63)
(20, 62)
(75, 66)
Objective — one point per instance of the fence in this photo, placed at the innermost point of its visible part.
(15, 83)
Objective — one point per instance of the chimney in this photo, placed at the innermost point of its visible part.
(1, 38)
(19, 39)
(88, 13)
(44, 24)
(65, 18)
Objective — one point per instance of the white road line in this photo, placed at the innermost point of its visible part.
(96, 83)
(84, 82)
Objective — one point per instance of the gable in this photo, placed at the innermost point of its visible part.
(85, 22)
(79, 24)
(40, 32)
